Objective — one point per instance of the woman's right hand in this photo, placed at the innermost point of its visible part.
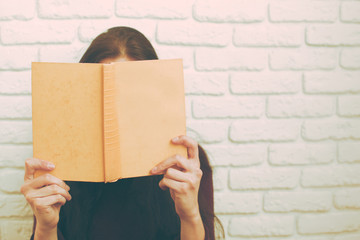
(45, 194)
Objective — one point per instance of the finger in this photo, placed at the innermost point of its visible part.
(177, 175)
(47, 191)
(189, 143)
(49, 200)
(176, 160)
(48, 179)
(167, 183)
(33, 164)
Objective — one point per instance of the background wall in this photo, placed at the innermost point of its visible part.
(272, 92)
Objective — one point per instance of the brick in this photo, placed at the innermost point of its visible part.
(14, 206)
(14, 155)
(265, 83)
(62, 53)
(90, 29)
(188, 113)
(267, 35)
(46, 32)
(302, 154)
(328, 82)
(171, 52)
(347, 198)
(63, 9)
(11, 10)
(350, 59)
(349, 11)
(300, 106)
(211, 84)
(348, 237)
(220, 107)
(335, 35)
(193, 34)
(234, 11)
(15, 107)
(331, 129)
(207, 59)
(264, 130)
(300, 201)
(15, 82)
(10, 59)
(16, 229)
(263, 178)
(235, 202)
(220, 178)
(349, 152)
(328, 223)
(206, 131)
(315, 238)
(303, 11)
(349, 106)
(303, 59)
(331, 176)
(237, 155)
(15, 131)
(262, 226)
(11, 180)
(158, 9)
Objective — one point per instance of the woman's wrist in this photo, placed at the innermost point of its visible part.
(42, 232)
(191, 218)
(192, 227)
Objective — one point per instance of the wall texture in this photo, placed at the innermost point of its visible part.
(272, 92)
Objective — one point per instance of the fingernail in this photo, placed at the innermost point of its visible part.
(154, 169)
(51, 165)
(175, 139)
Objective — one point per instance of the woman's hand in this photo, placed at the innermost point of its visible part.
(45, 194)
(182, 177)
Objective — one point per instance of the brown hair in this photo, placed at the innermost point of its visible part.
(119, 42)
(76, 215)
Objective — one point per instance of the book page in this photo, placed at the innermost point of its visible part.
(67, 119)
(150, 104)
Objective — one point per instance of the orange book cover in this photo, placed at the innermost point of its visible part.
(102, 122)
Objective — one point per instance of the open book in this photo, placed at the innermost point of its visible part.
(103, 122)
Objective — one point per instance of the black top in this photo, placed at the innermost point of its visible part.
(134, 208)
(119, 217)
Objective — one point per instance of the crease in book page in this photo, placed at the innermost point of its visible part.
(111, 127)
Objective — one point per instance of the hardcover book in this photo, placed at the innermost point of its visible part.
(102, 122)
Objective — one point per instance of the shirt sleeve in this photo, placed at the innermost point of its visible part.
(59, 234)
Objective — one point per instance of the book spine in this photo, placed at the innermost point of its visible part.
(111, 126)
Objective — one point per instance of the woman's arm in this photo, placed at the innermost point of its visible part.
(39, 233)
(45, 234)
(192, 228)
(182, 177)
(45, 194)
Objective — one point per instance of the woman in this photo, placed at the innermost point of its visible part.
(175, 203)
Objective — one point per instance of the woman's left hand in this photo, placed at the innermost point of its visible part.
(182, 177)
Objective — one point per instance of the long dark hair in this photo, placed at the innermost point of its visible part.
(76, 215)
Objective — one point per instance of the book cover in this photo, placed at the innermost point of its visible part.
(103, 122)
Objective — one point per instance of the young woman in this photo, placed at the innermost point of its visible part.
(174, 203)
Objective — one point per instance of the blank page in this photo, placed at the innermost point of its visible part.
(67, 119)
(150, 104)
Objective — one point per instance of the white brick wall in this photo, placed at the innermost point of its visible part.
(272, 93)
